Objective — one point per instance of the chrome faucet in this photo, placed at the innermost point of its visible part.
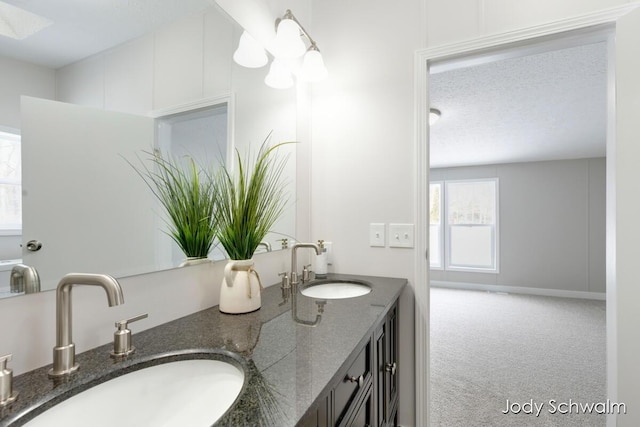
(267, 246)
(294, 259)
(25, 279)
(64, 353)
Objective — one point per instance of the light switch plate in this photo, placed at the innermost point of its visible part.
(401, 235)
(377, 235)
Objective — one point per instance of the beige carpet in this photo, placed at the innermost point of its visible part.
(487, 348)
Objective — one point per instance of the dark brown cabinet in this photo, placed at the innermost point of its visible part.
(386, 359)
(366, 393)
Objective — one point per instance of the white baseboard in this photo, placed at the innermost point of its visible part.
(519, 290)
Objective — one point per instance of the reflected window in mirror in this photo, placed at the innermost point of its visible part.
(10, 206)
(10, 184)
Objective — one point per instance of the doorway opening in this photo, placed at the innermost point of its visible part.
(564, 31)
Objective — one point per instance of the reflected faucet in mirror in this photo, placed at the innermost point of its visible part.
(64, 353)
(24, 279)
(266, 245)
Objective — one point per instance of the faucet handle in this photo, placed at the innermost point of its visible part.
(285, 243)
(286, 284)
(306, 273)
(7, 395)
(122, 324)
(122, 336)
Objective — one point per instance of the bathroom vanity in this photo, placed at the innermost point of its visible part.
(306, 361)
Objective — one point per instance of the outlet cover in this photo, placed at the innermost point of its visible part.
(401, 235)
(377, 235)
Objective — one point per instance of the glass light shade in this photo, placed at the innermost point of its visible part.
(249, 52)
(288, 43)
(313, 69)
(279, 76)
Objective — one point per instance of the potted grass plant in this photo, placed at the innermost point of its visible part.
(248, 204)
(187, 194)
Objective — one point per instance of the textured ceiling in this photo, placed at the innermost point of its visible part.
(547, 106)
(84, 27)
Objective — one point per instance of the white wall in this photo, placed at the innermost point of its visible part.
(551, 224)
(362, 139)
(182, 62)
(21, 78)
(362, 117)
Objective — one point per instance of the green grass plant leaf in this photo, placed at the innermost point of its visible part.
(187, 193)
(250, 202)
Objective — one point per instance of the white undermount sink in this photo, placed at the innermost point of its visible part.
(336, 289)
(191, 392)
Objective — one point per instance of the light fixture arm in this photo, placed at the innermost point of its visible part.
(289, 15)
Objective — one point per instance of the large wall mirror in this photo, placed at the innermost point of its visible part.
(85, 203)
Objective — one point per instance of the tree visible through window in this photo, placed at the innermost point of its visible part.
(10, 183)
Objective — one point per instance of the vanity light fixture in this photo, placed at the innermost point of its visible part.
(290, 52)
(434, 116)
(250, 53)
(17, 23)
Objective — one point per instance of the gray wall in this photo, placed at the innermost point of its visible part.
(551, 229)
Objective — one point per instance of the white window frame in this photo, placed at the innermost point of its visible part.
(17, 229)
(445, 229)
(441, 267)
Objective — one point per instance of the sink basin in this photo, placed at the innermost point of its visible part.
(336, 289)
(188, 392)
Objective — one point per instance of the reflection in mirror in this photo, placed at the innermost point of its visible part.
(199, 134)
(107, 225)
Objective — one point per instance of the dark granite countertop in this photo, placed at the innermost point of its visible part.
(288, 364)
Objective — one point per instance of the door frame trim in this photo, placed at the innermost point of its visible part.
(423, 60)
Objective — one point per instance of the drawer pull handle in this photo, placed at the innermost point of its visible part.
(391, 367)
(359, 380)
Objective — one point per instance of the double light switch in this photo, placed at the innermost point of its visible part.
(400, 235)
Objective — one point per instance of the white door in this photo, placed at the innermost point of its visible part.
(81, 199)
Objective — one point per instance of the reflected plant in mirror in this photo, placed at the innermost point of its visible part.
(187, 193)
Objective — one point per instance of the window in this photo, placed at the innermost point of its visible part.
(435, 225)
(468, 239)
(10, 184)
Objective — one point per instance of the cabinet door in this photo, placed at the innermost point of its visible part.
(379, 389)
(386, 391)
(363, 416)
(391, 363)
(357, 378)
(318, 416)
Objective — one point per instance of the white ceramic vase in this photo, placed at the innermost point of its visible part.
(240, 290)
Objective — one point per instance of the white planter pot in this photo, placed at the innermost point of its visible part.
(240, 290)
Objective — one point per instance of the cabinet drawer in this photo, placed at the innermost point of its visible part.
(355, 380)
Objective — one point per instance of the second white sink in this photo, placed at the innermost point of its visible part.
(192, 392)
(336, 289)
